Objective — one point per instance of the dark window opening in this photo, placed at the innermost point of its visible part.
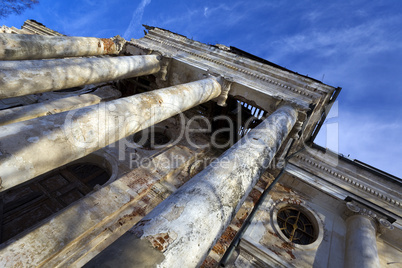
(26, 205)
(242, 114)
(131, 86)
(152, 138)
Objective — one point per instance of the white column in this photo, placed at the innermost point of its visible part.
(27, 112)
(18, 78)
(32, 46)
(33, 147)
(361, 246)
(183, 228)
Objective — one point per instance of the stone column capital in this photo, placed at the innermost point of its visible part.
(165, 62)
(226, 83)
(355, 208)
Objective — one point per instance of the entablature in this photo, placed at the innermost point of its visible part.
(226, 57)
(261, 84)
(176, 46)
(348, 179)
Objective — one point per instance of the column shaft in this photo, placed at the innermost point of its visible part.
(33, 147)
(361, 246)
(18, 78)
(30, 46)
(184, 227)
(27, 112)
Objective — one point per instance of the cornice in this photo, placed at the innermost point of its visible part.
(161, 33)
(352, 182)
(252, 73)
(302, 102)
(38, 28)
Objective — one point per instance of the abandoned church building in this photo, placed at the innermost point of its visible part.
(166, 152)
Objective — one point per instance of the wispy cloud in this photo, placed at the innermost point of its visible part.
(135, 23)
(206, 12)
(78, 26)
(366, 138)
(222, 8)
(78, 21)
(218, 20)
(168, 20)
(363, 39)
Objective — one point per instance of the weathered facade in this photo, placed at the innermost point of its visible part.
(166, 152)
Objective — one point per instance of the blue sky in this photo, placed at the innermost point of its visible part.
(356, 45)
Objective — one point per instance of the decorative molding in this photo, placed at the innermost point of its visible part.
(296, 129)
(164, 68)
(225, 88)
(351, 182)
(352, 207)
(262, 77)
(386, 223)
(145, 49)
(225, 51)
(359, 209)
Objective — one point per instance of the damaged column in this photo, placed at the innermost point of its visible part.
(33, 147)
(185, 226)
(18, 78)
(27, 112)
(30, 47)
(361, 245)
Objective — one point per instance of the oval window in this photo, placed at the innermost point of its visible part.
(297, 226)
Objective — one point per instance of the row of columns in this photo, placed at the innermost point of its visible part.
(184, 227)
(35, 146)
(191, 219)
(32, 147)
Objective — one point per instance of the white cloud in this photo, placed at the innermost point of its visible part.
(206, 12)
(135, 23)
(208, 19)
(366, 38)
(366, 138)
(78, 22)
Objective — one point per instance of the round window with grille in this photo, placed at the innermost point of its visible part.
(297, 226)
